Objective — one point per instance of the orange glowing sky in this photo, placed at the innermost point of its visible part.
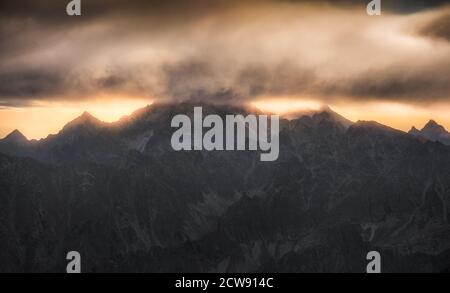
(48, 118)
(43, 119)
(393, 114)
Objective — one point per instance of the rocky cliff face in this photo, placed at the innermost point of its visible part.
(119, 195)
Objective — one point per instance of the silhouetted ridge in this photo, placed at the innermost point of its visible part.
(432, 131)
(433, 126)
(16, 137)
(85, 120)
(329, 114)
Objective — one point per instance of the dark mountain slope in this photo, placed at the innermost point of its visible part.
(133, 204)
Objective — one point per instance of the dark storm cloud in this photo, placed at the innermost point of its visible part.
(221, 50)
(14, 103)
(424, 84)
(30, 82)
(438, 28)
(22, 85)
(402, 6)
(397, 84)
(193, 79)
(281, 79)
(55, 9)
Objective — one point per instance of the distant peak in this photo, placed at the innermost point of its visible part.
(16, 132)
(414, 130)
(15, 136)
(432, 123)
(86, 114)
(432, 131)
(326, 111)
(433, 126)
(86, 119)
(326, 108)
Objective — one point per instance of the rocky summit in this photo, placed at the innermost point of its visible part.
(432, 131)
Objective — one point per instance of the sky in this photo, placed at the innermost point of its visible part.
(280, 55)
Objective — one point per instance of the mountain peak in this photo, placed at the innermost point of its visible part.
(16, 137)
(323, 113)
(328, 113)
(85, 119)
(86, 114)
(433, 126)
(432, 131)
(414, 131)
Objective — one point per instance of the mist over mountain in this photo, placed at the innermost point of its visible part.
(121, 196)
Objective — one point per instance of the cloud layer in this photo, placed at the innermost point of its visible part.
(225, 50)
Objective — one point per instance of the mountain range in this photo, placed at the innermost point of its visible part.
(118, 194)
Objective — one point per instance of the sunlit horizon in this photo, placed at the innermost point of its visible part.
(397, 115)
(42, 119)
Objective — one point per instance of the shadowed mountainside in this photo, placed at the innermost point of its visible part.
(120, 195)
